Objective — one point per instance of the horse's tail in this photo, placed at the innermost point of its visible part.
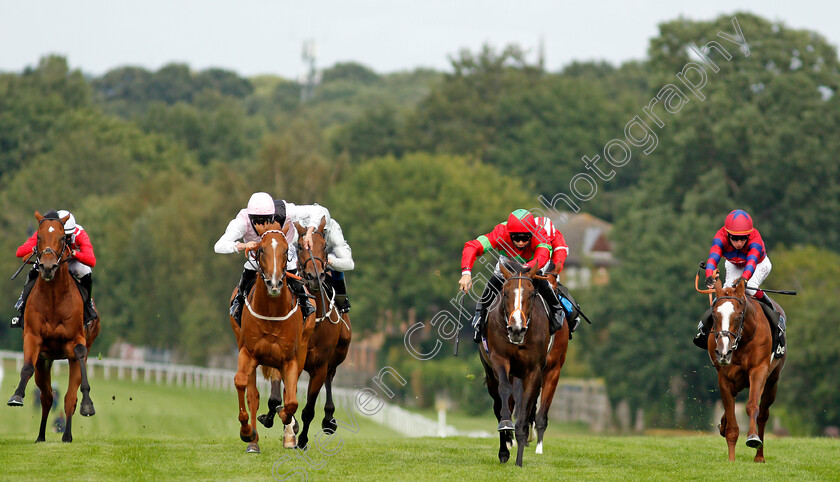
(270, 373)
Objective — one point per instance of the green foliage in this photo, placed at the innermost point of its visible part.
(407, 220)
(807, 387)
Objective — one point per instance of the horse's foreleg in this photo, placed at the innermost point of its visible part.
(42, 380)
(329, 424)
(549, 386)
(505, 393)
(729, 429)
(767, 399)
(290, 404)
(246, 366)
(530, 392)
(253, 396)
(758, 377)
(31, 350)
(316, 380)
(86, 408)
(71, 397)
(275, 400)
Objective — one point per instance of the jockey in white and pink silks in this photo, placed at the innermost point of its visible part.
(262, 208)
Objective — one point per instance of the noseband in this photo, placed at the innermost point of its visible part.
(259, 252)
(735, 336)
(532, 297)
(48, 250)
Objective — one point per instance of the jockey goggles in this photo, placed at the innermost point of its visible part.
(739, 238)
(261, 218)
(520, 237)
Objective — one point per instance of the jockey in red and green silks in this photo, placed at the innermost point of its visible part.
(522, 240)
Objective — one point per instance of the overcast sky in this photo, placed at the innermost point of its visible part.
(266, 36)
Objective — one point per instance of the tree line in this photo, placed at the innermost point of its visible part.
(413, 164)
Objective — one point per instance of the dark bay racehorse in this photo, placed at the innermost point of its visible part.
(517, 341)
(741, 349)
(54, 328)
(328, 343)
(551, 374)
(272, 335)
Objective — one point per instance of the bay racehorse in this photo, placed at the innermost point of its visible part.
(54, 327)
(516, 346)
(272, 335)
(741, 349)
(328, 343)
(551, 373)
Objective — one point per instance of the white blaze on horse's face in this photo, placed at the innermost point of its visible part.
(726, 310)
(516, 331)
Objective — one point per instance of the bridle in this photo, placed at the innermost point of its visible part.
(258, 253)
(509, 316)
(314, 258)
(736, 337)
(60, 254)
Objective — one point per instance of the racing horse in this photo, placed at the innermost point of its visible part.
(328, 343)
(741, 348)
(516, 346)
(54, 327)
(272, 335)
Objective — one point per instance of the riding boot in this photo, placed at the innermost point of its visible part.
(700, 339)
(303, 298)
(479, 321)
(775, 319)
(86, 282)
(555, 308)
(247, 280)
(20, 304)
(340, 287)
(570, 307)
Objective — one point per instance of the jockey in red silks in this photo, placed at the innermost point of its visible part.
(82, 259)
(559, 252)
(745, 258)
(522, 240)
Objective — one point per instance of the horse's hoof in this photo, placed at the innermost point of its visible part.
(40, 439)
(505, 425)
(253, 448)
(266, 420)
(503, 459)
(302, 442)
(289, 442)
(329, 426)
(87, 409)
(67, 438)
(754, 442)
(15, 401)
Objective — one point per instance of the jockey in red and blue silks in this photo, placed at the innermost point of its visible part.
(521, 239)
(745, 259)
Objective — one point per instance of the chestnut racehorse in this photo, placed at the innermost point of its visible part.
(328, 343)
(741, 349)
(517, 345)
(272, 335)
(54, 328)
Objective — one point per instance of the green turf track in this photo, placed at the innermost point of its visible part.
(150, 432)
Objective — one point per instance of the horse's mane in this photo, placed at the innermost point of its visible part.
(513, 266)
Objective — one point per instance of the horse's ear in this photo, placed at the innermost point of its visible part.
(38, 216)
(64, 219)
(260, 229)
(533, 271)
(504, 269)
(739, 289)
(322, 225)
(718, 288)
(300, 229)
